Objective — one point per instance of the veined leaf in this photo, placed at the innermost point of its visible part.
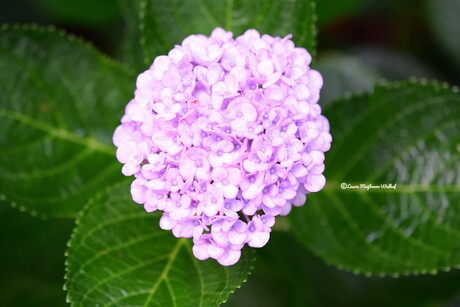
(404, 134)
(60, 101)
(287, 274)
(119, 256)
(166, 23)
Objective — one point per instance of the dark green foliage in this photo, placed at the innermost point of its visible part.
(61, 99)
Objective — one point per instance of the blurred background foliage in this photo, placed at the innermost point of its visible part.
(359, 43)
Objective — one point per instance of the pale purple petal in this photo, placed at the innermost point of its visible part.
(215, 251)
(259, 239)
(200, 251)
(220, 130)
(315, 183)
(229, 257)
(167, 223)
(235, 237)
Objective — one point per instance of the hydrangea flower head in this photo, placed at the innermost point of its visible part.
(223, 135)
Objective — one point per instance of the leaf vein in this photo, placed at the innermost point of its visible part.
(164, 274)
(359, 153)
(398, 231)
(115, 248)
(89, 142)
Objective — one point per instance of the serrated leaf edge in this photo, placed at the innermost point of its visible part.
(250, 269)
(73, 39)
(384, 84)
(75, 232)
(69, 37)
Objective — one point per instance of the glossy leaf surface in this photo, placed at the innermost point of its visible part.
(403, 134)
(119, 256)
(60, 101)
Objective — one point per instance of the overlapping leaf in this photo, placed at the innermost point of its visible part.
(284, 266)
(404, 134)
(119, 256)
(60, 101)
(166, 23)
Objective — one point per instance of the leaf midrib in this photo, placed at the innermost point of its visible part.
(354, 227)
(164, 274)
(52, 171)
(398, 231)
(89, 142)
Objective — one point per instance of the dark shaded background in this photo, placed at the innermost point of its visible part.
(362, 40)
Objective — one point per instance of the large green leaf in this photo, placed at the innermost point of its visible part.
(165, 23)
(444, 16)
(60, 101)
(404, 134)
(119, 256)
(287, 274)
(130, 50)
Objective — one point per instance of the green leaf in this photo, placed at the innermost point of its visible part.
(404, 134)
(287, 274)
(60, 101)
(166, 23)
(444, 16)
(119, 256)
(130, 50)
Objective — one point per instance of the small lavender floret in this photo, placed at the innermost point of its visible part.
(223, 135)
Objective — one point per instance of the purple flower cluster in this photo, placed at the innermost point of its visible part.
(223, 135)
